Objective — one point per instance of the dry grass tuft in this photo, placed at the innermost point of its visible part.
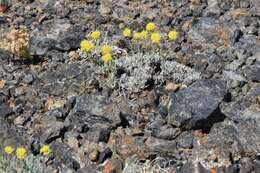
(16, 42)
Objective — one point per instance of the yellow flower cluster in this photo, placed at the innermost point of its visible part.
(150, 30)
(173, 35)
(149, 34)
(107, 58)
(127, 33)
(89, 46)
(9, 150)
(106, 51)
(45, 150)
(151, 26)
(22, 153)
(96, 35)
(156, 38)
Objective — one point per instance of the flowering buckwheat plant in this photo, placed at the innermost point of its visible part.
(19, 160)
(137, 65)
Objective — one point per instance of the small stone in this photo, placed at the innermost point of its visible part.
(3, 8)
(74, 55)
(54, 104)
(20, 120)
(5, 111)
(28, 79)
(172, 87)
(52, 131)
(93, 156)
(57, 112)
(258, 99)
(2, 83)
(112, 166)
(109, 167)
(73, 142)
(20, 91)
(104, 9)
(104, 155)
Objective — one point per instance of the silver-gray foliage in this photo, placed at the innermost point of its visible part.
(133, 72)
(31, 164)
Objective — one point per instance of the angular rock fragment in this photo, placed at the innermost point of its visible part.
(197, 106)
(94, 116)
(212, 33)
(227, 143)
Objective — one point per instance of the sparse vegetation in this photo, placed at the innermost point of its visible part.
(31, 164)
(16, 42)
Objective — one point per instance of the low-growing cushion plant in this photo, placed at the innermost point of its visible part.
(145, 64)
(31, 164)
(19, 161)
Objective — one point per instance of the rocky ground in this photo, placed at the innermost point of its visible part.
(209, 125)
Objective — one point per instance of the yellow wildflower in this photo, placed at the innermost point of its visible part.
(173, 35)
(127, 33)
(8, 149)
(144, 35)
(137, 35)
(96, 35)
(150, 26)
(87, 46)
(156, 38)
(45, 150)
(21, 153)
(106, 49)
(107, 58)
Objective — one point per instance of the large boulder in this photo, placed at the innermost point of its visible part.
(211, 33)
(227, 143)
(94, 116)
(197, 106)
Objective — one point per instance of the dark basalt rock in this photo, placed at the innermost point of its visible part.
(227, 143)
(5, 111)
(106, 154)
(252, 72)
(197, 107)
(94, 115)
(210, 126)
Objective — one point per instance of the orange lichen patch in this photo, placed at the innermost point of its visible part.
(52, 104)
(172, 87)
(126, 145)
(224, 34)
(199, 134)
(213, 170)
(109, 167)
(2, 83)
(3, 8)
(187, 25)
(11, 103)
